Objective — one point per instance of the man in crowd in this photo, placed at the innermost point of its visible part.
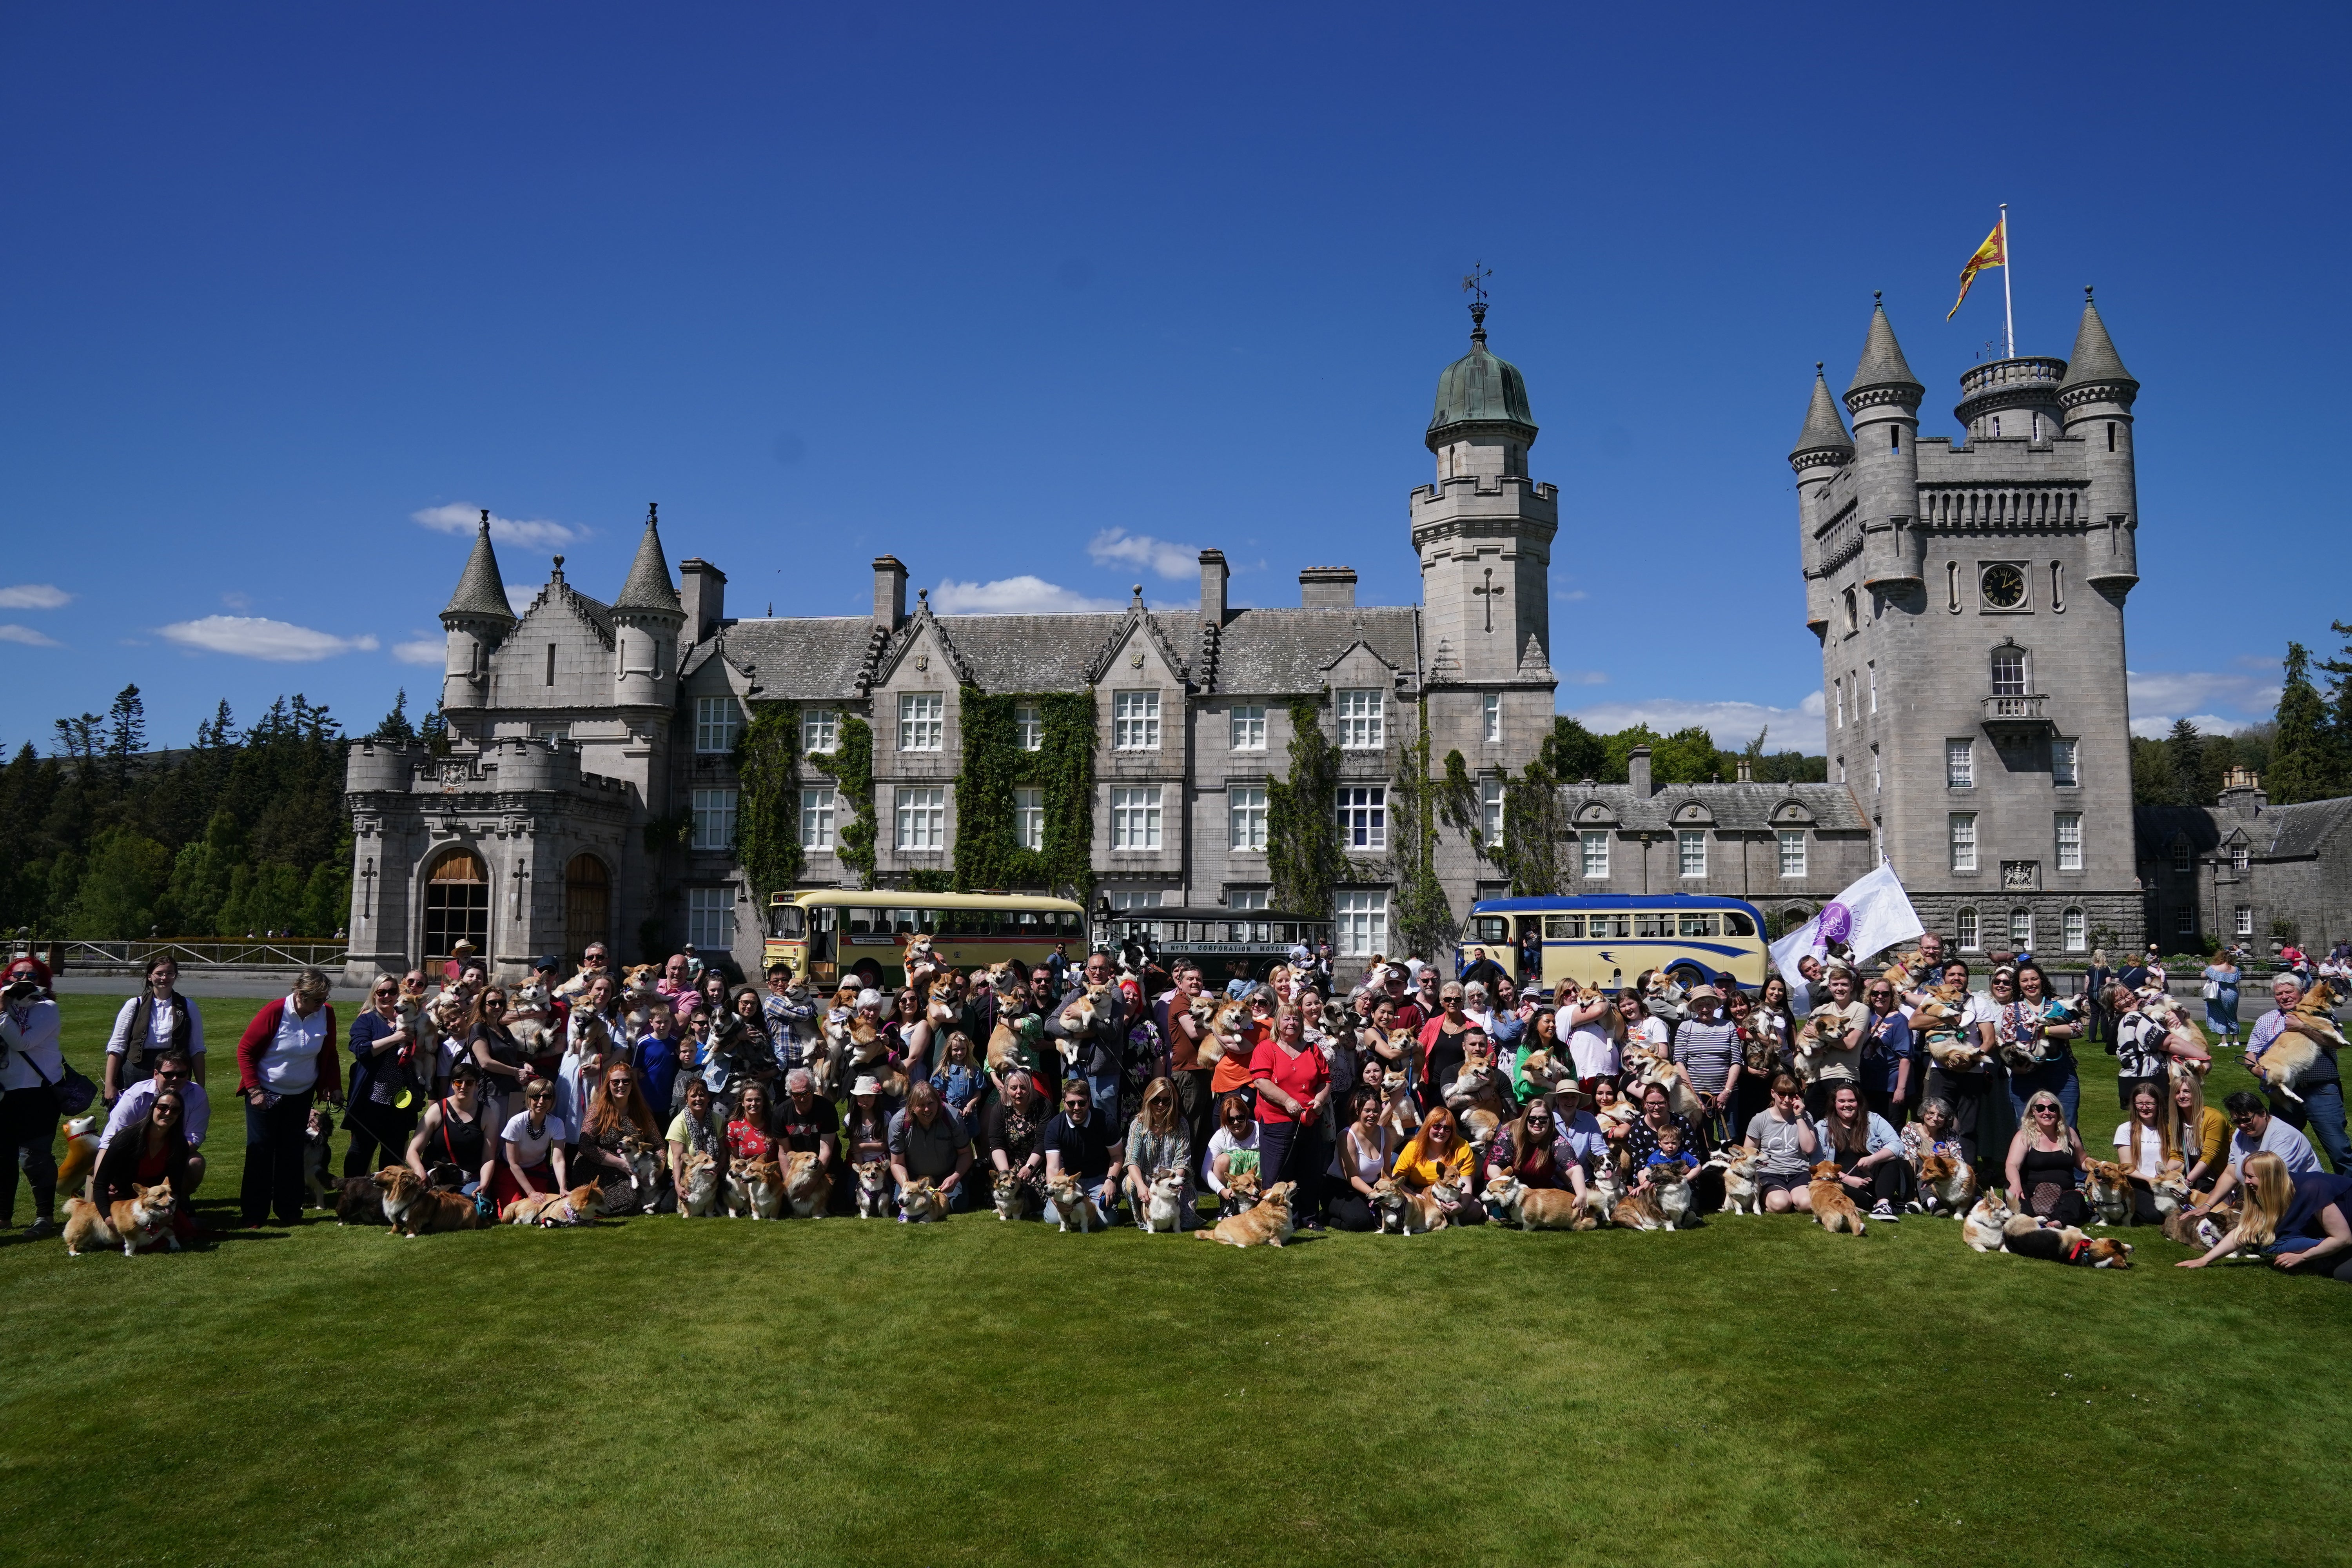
(2258, 1132)
(1100, 1055)
(172, 1072)
(2321, 1113)
(791, 1020)
(1184, 1033)
(1081, 1142)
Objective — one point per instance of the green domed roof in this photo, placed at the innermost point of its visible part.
(1480, 389)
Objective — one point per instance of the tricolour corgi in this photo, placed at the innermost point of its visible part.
(1014, 1197)
(418, 1209)
(873, 1190)
(1833, 1207)
(2029, 1237)
(1267, 1225)
(2107, 1189)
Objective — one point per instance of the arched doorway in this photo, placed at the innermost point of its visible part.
(456, 905)
(587, 905)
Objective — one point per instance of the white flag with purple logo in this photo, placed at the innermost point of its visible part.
(1873, 914)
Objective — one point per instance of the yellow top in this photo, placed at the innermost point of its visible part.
(2212, 1136)
(1417, 1168)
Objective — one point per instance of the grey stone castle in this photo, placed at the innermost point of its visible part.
(576, 724)
(1969, 602)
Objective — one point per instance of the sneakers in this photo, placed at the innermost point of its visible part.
(44, 1226)
(1886, 1210)
(1913, 1205)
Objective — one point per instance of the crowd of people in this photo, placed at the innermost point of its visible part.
(1013, 1085)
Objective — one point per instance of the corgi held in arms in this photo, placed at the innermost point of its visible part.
(135, 1224)
(1834, 1208)
(1267, 1225)
(2311, 1025)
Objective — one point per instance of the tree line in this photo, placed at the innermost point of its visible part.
(244, 832)
(2304, 752)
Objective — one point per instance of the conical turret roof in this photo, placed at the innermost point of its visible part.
(647, 586)
(1882, 358)
(2094, 358)
(480, 590)
(1824, 428)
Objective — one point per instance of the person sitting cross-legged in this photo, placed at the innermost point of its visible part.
(1081, 1142)
(927, 1144)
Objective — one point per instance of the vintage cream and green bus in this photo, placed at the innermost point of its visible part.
(825, 934)
(1609, 938)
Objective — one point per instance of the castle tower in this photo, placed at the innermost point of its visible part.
(646, 618)
(2096, 397)
(1884, 400)
(477, 619)
(1822, 448)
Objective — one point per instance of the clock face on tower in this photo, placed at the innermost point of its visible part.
(2004, 587)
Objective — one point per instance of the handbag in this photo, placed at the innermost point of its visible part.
(72, 1092)
(2212, 991)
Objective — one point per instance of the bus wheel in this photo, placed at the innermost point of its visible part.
(1687, 975)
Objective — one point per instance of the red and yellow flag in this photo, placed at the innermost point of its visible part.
(1994, 252)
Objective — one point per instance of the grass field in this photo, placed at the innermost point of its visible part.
(845, 1391)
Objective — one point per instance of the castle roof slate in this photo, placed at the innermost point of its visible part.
(1882, 358)
(1751, 808)
(1824, 428)
(480, 590)
(2273, 833)
(647, 585)
(2094, 358)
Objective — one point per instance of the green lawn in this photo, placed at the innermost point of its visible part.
(813, 1392)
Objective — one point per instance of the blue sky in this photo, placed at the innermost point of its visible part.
(1066, 295)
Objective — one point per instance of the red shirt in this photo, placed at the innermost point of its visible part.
(746, 1142)
(1301, 1077)
(1236, 1069)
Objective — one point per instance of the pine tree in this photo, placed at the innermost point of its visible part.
(2302, 764)
(126, 733)
(395, 726)
(2185, 748)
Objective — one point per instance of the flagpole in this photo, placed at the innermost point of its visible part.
(2008, 311)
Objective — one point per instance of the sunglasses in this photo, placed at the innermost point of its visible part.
(167, 1110)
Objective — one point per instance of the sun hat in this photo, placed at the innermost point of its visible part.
(867, 1084)
(1703, 993)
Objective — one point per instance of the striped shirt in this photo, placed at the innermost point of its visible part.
(1707, 1052)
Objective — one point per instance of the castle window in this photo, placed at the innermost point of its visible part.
(2075, 929)
(818, 808)
(1245, 898)
(2238, 858)
(1853, 612)
(711, 919)
(1361, 712)
(1494, 717)
(1996, 426)
(1029, 818)
(2021, 929)
(2111, 435)
(1246, 812)
(922, 722)
(1135, 819)
(1364, 817)
(922, 818)
(820, 730)
(1964, 931)
(2063, 757)
(1690, 851)
(2008, 672)
(1952, 585)
(1964, 841)
(1792, 852)
(2245, 921)
(1490, 809)
(1874, 686)
(1877, 783)
(2183, 857)
(1248, 727)
(2185, 922)
(716, 722)
(714, 818)
(550, 664)
(2070, 841)
(2058, 586)
(1837, 692)
(1359, 922)
(1135, 721)
(1028, 730)
(456, 905)
(1592, 850)
(2037, 426)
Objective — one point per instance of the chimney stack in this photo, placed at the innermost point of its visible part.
(1328, 588)
(1637, 772)
(1212, 586)
(889, 591)
(703, 592)
(1746, 774)
(2242, 792)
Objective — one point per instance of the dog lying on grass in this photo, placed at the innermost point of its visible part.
(1267, 1225)
(551, 1210)
(416, 1209)
(1511, 1202)
(2029, 1237)
(1982, 1228)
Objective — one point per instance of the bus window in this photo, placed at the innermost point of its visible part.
(1737, 924)
(1490, 928)
(1696, 923)
(1602, 926)
(1067, 921)
(1654, 925)
(784, 922)
(865, 922)
(821, 943)
(1568, 928)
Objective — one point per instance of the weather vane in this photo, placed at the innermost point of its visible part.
(1474, 282)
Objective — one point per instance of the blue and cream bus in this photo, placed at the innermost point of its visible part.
(1606, 940)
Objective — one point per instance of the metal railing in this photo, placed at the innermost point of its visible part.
(192, 953)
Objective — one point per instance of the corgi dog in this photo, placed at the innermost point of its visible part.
(1672, 1185)
(921, 959)
(417, 1209)
(735, 1192)
(1266, 1224)
(1225, 1017)
(1665, 998)
(1605, 1191)
(81, 1154)
(873, 1189)
(318, 1163)
(2107, 1189)
(1834, 1208)
(1826, 1022)
(1241, 1194)
(360, 1201)
(763, 1187)
(637, 980)
(1982, 1227)
(1399, 1113)
(1334, 1019)
(1948, 1185)
(1073, 1208)
(1165, 1211)
(808, 1190)
(2170, 1189)
(1425, 1212)
(1511, 1202)
(2029, 1237)
(1078, 1018)
(1902, 971)
(1014, 1197)
(135, 1224)
(1638, 1211)
(2201, 1231)
(550, 1210)
(1014, 1041)
(1625, 1113)
(1388, 1202)
(1680, 1098)
(1742, 1194)
(701, 1198)
(531, 1017)
(921, 1201)
(2288, 1058)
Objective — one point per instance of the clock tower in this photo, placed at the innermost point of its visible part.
(1969, 596)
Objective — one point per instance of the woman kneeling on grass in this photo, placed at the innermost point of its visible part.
(2143, 1146)
(451, 1143)
(2303, 1223)
(619, 1118)
(1366, 1149)
(1868, 1154)
(530, 1150)
(1783, 1135)
(2046, 1160)
(151, 1150)
(1437, 1154)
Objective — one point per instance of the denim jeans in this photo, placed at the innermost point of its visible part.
(2059, 1078)
(1105, 1195)
(2320, 1118)
(1104, 1087)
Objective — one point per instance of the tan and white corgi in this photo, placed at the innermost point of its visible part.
(1165, 1211)
(550, 1211)
(1388, 1202)
(1835, 1209)
(416, 1208)
(1742, 1193)
(135, 1224)
(1073, 1209)
(1638, 1211)
(701, 1197)
(1241, 1194)
(81, 1152)
(1981, 1229)
(1512, 1202)
(1427, 1211)
(2287, 1059)
(763, 1186)
(1266, 1224)
(808, 1190)
(1947, 1185)
(922, 1202)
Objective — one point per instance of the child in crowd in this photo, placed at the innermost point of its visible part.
(962, 1085)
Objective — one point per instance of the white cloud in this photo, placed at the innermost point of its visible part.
(1733, 724)
(459, 518)
(2159, 697)
(521, 599)
(1022, 595)
(237, 601)
(34, 596)
(424, 650)
(2156, 727)
(1117, 546)
(255, 637)
(28, 637)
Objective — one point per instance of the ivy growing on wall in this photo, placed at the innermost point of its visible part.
(1533, 822)
(851, 766)
(1303, 856)
(768, 819)
(988, 852)
(1423, 917)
